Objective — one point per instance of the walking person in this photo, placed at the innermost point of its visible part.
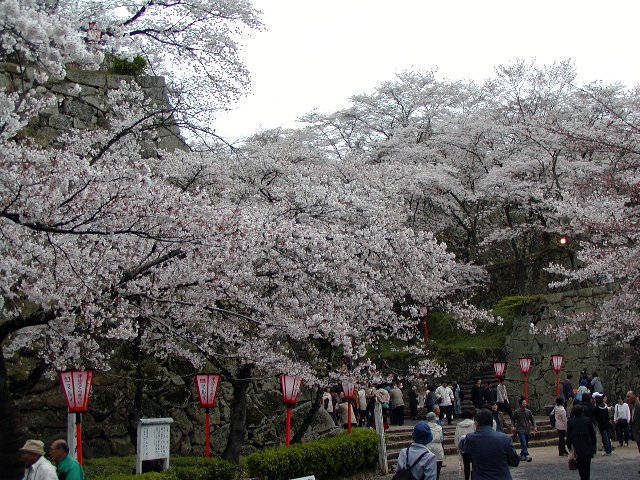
(327, 404)
(397, 400)
(596, 384)
(445, 399)
(435, 445)
(417, 458)
(491, 452)
(634, 418)
(581, 437)
(382, 396)
(503, 398)
(361, 399)
(621, 417)
(465, 427)
(37, 466)
(567, 388)
(601, 419)
(560, 415)
(413, 402)
(67, 467)
(457, 400)
(476, 394)
(524, 424)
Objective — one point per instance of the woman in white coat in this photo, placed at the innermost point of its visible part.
(435, 446)
(465, 426)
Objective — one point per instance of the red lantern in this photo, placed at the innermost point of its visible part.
(349, 392)
(76, 388)
(525, 368)
(556, 364)
(207, 388)
(525, 365)
(291, 388)
(498, 368)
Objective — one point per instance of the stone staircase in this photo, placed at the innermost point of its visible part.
(400, 437)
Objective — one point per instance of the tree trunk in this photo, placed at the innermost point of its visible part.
(308, 419)
(238, 420)
(135, 412)
(9, 431)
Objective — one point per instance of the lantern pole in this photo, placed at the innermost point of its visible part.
(349, 416)
(207, 432)
(287, 429)
(79, 436)
(526, 387)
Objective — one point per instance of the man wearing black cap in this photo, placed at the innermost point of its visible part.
(491, 452)
(417, 458)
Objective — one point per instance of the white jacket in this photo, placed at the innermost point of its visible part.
(436, 444)
(463, 428)
(41, 470)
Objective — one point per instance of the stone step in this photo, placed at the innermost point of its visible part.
(392, 455)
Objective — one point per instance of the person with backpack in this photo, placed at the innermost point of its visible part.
(417, 462)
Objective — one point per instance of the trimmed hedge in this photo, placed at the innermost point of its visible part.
(182, 468)
(328, 458)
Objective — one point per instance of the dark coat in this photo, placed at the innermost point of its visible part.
(634, 408)
(491, 454)
(476, 396)
(581, 436)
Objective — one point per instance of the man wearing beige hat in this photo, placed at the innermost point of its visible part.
(38, 467)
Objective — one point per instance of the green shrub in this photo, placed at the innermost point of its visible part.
(106, 466)
(122, 66)
(200, 468)
(182, 468)
(168, 475)
(328, 458)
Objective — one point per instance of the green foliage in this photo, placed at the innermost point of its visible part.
(328, 458)
(106, 466)
(511, 307)
(122, 66)
(182, 468)
(200, 468)
(168, 475)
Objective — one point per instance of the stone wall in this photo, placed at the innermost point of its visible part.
(86, 108)
(107, 429)
(616, 363)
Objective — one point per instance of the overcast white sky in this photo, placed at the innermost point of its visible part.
(315, 54)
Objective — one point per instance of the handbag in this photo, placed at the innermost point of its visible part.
(573, 460)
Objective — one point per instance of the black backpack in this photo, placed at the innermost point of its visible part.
(405, 473)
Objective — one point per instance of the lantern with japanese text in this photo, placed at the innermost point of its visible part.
(556, 363)
(291, 388)
(498, 368)
(76, 388)
(207, 388)
(525, 368)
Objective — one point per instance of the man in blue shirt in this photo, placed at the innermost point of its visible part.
(491, 452)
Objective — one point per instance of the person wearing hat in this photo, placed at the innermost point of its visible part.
(38, 467)
(417, 457)
(491, 452)
(67, 467)
(435, 445)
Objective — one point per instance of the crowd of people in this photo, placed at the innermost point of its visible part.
(584, 417)
(581, 415)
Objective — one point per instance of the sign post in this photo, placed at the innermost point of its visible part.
(154, 441)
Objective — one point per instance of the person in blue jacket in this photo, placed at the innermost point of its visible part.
(491, 452)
